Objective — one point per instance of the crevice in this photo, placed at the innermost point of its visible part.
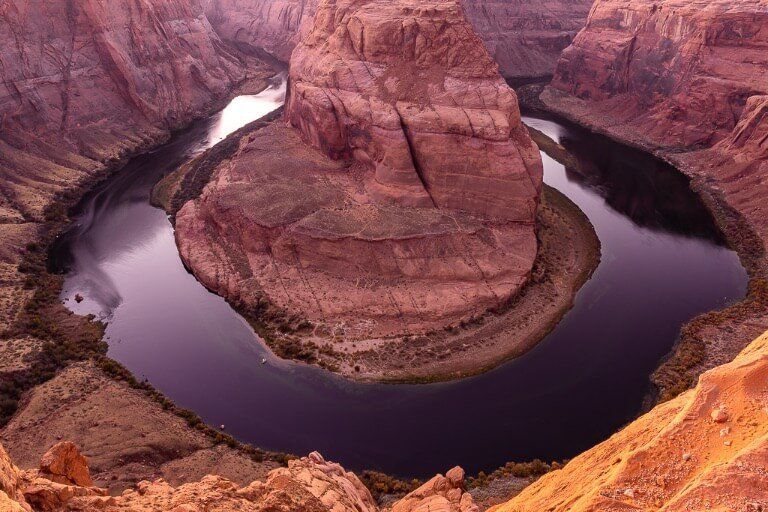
(414, 159)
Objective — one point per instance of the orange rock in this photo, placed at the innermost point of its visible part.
(63, 463)
(715, 475)
(440, 494)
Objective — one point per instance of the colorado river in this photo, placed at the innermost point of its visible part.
(662, 263)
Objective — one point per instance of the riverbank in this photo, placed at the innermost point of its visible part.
(43, 343)
(713, 338)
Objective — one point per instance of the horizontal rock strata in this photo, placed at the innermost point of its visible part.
(416, 208)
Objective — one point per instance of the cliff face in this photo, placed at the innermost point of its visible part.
(416, 207)
(687, 79)
(446, 130)
(682, 71)
(83, 83)
(275, 26)
(525, 38)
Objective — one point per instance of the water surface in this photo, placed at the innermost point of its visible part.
(662, 263)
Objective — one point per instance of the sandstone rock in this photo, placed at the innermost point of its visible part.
(63, 463)
(404, 88)
(719, 415)
(11, 494)
(440, 494)
(424, 213)
(678, 76)
(85, 406)
(275, 26)
(526, 38)
(686, 80)
(649, 452)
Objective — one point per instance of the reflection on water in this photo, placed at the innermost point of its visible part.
(661, 264)
(244, 109)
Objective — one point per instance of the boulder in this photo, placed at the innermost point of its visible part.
(63, 463)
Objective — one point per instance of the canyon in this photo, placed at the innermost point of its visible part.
(356, 171)
(524, 38)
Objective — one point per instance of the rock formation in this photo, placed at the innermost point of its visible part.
(678, 77)
(275, 26)
(525, 38)
(309, 484)
(417, 206)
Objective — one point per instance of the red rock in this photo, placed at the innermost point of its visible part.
(525, 37)
(686, 79)
(424, 213)
(83, 83)
(405, 88)
(275, 26)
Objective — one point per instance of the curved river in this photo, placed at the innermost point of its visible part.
(662, 263)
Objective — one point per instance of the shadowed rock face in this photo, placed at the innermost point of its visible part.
(417, 207)
(275, 26)
(525, 38)
(98, 77)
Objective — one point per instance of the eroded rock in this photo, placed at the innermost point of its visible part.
(63, 463)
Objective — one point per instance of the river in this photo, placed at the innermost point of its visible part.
(663, 262)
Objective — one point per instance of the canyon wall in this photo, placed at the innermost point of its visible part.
(525, 38)
(687, 81)
(684, 79)
(275, 26)
(84, 83)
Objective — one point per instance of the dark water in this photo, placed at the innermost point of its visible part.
(662, 263)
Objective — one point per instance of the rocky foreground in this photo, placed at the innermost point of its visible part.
(524, 38)
(705, 450)
(62, 482)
